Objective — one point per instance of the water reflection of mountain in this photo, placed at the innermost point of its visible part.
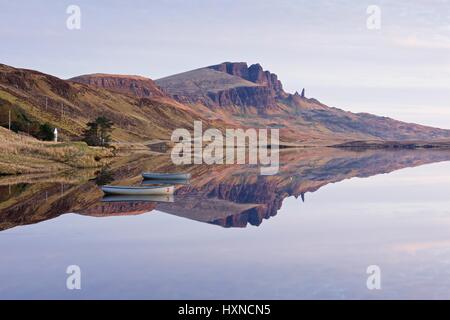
(229, 196)
(251, 198)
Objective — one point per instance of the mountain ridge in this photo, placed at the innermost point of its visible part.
(295, 115)
(227, 95)
(34, 97)
(139, 86)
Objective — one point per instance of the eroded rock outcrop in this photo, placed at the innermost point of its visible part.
(254, 73)
(133, 85)
(260, 98)
(227, 86)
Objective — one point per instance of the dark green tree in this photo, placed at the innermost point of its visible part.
(46, 132)
(105, 128)
(90, 135)
(98, 133)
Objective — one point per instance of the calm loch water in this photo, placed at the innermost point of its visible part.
(240, 236)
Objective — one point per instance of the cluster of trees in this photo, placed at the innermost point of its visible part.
(19, 122)
(98, 133)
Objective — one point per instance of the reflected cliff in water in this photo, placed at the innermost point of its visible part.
(228, 196)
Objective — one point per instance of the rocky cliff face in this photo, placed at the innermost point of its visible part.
(239, 69)
(254, 73)
(132, 85)
(245, 98)
(231, 86)
(223, 87)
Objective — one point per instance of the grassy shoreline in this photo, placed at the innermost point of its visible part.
(23, 154)
(444, 144)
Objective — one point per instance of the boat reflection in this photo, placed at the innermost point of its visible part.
(162, 182)
(139, 198)
(227, 195)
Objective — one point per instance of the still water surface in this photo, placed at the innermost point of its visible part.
(317, 249)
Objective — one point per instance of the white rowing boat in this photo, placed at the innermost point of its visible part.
(170, 182)
(125, 190)
(166, 176)
(139, 198)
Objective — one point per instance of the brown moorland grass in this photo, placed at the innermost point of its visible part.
(23, 154)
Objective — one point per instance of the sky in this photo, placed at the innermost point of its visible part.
(401, 70)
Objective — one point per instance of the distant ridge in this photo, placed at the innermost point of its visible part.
(226, 95)
(128, 84)
(252, 95)
(254, 73)
(35, 98)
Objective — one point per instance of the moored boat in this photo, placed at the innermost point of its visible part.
(139, 198)
(166, 176)
(126, 190)
(171, 182)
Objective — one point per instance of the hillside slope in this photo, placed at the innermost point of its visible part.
(222, 96)
(218, 91)
(34, 97)
(256, 98)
